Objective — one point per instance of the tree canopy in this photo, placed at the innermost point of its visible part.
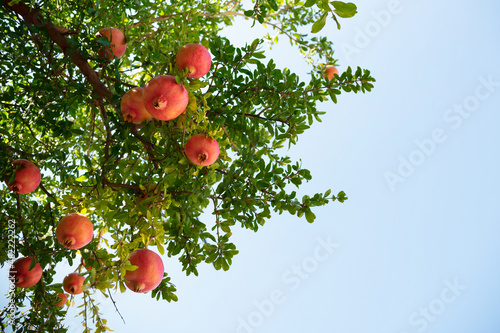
(60, 109)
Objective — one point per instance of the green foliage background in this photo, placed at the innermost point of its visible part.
(60, 108)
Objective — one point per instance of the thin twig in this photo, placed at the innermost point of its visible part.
(232, 143)
(148, 145)
(116, 308)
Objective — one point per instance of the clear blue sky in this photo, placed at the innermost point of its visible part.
(415, 248)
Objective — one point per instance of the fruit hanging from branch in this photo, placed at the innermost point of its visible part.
(196, 58)
(133, 108)
(63, 297)
(164, 98)
(74, 231)
(73, 283)
(148, 274)
(23, 276)
(117, 40)
(330, 72)
(27, 177)
(202, 150)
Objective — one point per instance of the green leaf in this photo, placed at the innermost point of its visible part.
(337, 21)
(184, 160)
(81, 178)
(170, 168)
(160, 247)
(319, 24)
(225, 265)
(341, 196)
(332, 96)
(218, 263)
(130, 267)
(77, 131)
(259, 55)
(310, 217)
(324, 5)
(273, 4)
(344, 10)
(309, 3)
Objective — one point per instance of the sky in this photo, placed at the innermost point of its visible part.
(415, 248)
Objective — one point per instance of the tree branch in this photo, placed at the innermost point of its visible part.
(105, 120)
(148, 145)
(35, 17)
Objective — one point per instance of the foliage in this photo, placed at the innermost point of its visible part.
(60, 108)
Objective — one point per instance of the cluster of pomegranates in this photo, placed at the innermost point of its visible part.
(74, 231)
(162, 97)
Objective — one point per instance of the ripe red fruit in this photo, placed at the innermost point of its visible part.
(195, 57)
(118, 43)
(148, 274)
(27, 177)
(63, 298)
(202, 150)
(73, 283)
(74, 231)
(133, 108)
(330, 70)
(23, 277)
(164, 98)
